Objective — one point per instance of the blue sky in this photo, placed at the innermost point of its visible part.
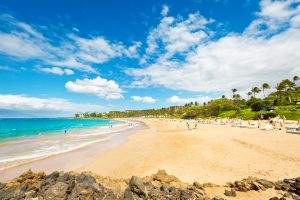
(61, 57)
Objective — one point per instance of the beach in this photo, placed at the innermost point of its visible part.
(96, 140)
(210, 153)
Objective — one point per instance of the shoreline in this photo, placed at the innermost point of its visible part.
(100, 132)
(75, 157)
(210, 153)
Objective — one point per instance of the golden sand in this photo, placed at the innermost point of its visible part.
(210, 153)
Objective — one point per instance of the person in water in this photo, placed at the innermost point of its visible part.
(65, 131)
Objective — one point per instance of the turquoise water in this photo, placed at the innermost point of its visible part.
(25, 140)
(28, 127)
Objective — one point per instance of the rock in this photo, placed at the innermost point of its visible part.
(2, 185)
(251, 183)
(139, 190)
(162, 176)
(161, 186)
(57, 191)
(218, 198)
(198, 185)
(230, 193)
(86, 187)
(274, 198)
(137, 186)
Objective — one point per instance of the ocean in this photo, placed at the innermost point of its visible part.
(14, 128)
(26, 139)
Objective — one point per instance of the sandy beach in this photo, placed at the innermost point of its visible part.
(210, 153)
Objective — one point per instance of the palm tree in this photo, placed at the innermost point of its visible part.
(237, 96)
(249, 94)
(280, 87)
(255, 90)
(264, 87)
(296, 78)
(234, 90)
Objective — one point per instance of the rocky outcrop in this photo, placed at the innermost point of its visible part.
(251, 183)
(86, 186)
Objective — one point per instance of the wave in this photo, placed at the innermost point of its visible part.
(24, 150)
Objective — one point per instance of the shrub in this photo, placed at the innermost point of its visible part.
(228, 114)
(257, 106)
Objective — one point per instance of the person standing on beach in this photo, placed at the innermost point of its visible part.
(65, 131)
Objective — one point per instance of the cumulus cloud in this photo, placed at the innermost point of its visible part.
(236, 60)
(56, 70)
(181, 101)
(145, 99)
(27, 103)
(99, 50)
(100, 87)
(174, 35)
(71, 51)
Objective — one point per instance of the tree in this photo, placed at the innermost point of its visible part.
(279, 88)
(249, 94)
(237, 97)
(255, 90)
(234, 90)
(287, 86)
(264, 87)
(296, 78)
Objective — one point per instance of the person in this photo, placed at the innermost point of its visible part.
(65, 131)
(188, 125)
(195, 126)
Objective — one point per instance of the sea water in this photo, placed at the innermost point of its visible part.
(25, 140)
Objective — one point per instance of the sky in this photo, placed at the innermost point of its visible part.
(62, 57)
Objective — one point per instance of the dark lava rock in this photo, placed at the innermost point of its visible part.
(274, 198)
(230, 193)
(2, 185)
(139, 190)
(161, 186)
(251, 183)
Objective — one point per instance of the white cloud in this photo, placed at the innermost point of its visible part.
(165, 10)
(181, 101)
(99, 50)
(68, 71)
(26, 103)
(24, 41)
(30, 30)
(74, 64)
(99, 87)
(13, 44)
(56, 70)
(278, 9)
(174, 35)
(6, 68)
(236, 60)
(145, 99)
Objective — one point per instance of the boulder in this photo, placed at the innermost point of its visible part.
(230, 193)
(162, 176)
(57, 191)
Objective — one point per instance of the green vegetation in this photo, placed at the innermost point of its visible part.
(284, 101)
